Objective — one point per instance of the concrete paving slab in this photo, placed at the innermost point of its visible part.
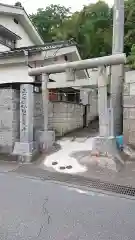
(8, 167)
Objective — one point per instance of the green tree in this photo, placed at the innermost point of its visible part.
(69, 27)
(129, 25)
(131, 58)
(95, 32)
(48, 20)
(91, 28)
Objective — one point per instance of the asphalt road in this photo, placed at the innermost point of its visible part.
(32, 209)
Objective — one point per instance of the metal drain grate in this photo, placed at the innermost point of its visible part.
(76, 180)
(97, 184)
(124, 190)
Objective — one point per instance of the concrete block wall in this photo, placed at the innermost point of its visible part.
(66, 117)
(129, 108)
(9, 119)
(63, 117)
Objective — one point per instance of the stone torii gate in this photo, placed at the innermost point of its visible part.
(46, 137)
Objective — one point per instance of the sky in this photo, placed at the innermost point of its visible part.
(31, 7)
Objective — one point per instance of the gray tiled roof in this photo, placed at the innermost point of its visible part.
(37, 48)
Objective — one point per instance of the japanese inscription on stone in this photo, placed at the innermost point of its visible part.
(26, 113)
(23, 108)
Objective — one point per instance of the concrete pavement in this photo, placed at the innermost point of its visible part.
(33, 209)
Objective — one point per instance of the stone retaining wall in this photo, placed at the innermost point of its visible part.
(129, 109)
(9, 118)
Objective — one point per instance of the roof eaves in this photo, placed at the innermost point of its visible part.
(33, 25)
(50, 45)
(12, 6)
(26, 16)
(38, 48)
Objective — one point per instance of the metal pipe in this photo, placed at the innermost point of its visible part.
(80, 65)
(117, 72)
(118, 27)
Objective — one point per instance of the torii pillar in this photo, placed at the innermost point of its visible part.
(45, 138)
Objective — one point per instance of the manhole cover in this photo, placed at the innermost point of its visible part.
(62, 168)
(69, 167)
(54, 163)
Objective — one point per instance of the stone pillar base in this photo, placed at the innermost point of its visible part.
(45, 140)
(25, 151)
(106, 146)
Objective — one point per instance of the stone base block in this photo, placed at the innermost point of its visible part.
(6, 149)
(126, 89)
(129, 101)
(128, 113)
(106, 146)
(24, 150)
(128, 125)
(129, 138)
(45, 140)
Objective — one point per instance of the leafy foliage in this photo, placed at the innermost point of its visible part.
(49, 20)
(131, 57)
(91, 28)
